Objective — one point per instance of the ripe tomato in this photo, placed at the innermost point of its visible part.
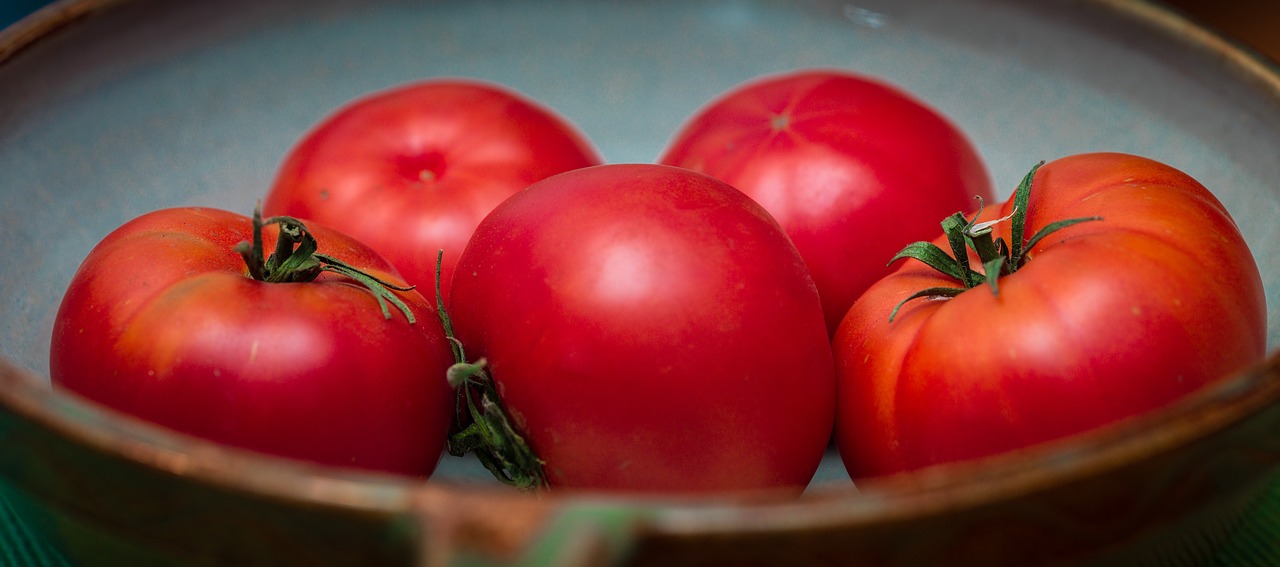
(412, 169)
(1105, 319)
(853, 169)
(162, 322)
(658, 333)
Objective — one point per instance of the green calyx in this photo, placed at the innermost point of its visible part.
(998, 258)
(488, 432)
(295, 260)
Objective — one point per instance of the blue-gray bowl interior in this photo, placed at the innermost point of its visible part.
(149, 104)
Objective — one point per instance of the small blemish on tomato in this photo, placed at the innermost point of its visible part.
(424, 168)
(779, 122)
(519, 420)
(1135, 310)
(324, 194)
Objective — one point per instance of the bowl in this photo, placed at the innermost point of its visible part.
(112, 108)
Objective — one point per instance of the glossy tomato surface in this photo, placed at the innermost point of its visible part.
(851, 167)
(650, 328)
(162, 322)
(412, 169)
(1107, 319)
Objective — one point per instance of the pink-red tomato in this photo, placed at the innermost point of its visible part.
(852, 168)
(162, 322)
(649, 328)
(1107, 319)
(412, 169)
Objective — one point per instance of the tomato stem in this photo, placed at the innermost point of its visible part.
(489, 433)
(295, 260)
(998, 258)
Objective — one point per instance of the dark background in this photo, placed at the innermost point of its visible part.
(1255, 23)
(13, 10)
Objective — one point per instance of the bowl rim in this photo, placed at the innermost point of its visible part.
(903, 496)
(933, 491)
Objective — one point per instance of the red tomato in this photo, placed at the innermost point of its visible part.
(412, 169)
(162, 322)
(1106, 319)
(853, 169)
(660, 333)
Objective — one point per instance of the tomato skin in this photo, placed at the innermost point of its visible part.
(852, 168)
(659, 334)
(162, 322)
(1108, 319)
(412, 169)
